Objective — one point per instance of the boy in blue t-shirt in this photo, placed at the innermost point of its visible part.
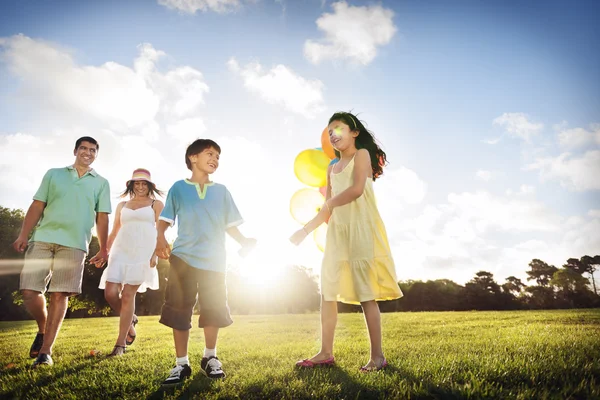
(205, 211)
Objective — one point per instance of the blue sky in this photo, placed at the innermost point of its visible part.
(489, 112)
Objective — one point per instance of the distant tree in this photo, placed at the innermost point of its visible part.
(572, 289)
(11, 263)
(591, 265)
(575, 265)
(482, 292)
(541, 272)
(513, 285)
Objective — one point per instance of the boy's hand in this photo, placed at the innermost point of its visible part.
(298, 236)
(247, 246)
(163, 250)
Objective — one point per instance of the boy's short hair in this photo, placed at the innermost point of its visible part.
(86, 139)
(198, 147)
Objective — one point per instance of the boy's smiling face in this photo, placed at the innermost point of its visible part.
(206, 161)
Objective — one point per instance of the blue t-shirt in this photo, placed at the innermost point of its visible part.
(202, 217)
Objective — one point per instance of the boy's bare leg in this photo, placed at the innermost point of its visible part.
(181, 339)
(210, 337)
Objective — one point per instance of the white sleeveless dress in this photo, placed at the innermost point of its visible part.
(129, 258)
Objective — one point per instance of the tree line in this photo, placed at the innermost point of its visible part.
(297, 290)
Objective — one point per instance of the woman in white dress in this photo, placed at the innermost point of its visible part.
(132, 262)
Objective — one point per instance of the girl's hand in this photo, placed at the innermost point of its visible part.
(153, 261)
(247, 246)
(298, 236)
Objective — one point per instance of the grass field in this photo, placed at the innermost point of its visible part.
(528, 354)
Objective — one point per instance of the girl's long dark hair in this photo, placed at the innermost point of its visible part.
(364, 140)
(152, 190)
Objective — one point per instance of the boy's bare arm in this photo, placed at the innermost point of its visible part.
(162, 250)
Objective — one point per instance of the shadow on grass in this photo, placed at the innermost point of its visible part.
(198, 383)
(46, 376)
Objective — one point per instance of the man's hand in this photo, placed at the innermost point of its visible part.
(163, 250)
(298, 236)
(20, 244)
(100, 258)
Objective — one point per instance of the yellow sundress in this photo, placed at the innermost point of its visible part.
(357, 263)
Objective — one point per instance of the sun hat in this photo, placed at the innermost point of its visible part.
(140, 174)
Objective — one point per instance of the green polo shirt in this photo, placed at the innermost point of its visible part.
(71, 206)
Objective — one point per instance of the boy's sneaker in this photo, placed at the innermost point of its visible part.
(43, 359)
(212, 367)
(178, 374)
(36, 345)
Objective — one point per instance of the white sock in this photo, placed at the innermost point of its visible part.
(182, 360)
(210, 352)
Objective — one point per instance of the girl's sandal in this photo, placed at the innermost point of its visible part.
(374, 368)
(312, 364)
(118, 351)
(130, 337)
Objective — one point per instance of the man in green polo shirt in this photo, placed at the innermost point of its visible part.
(63, 212)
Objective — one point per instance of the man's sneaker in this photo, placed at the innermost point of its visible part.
(178, 374)
(36, 346)
(43, 359)
(212, 367)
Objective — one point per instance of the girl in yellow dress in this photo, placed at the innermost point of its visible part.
(357, 265)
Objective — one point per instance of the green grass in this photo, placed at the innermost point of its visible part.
(516, 355)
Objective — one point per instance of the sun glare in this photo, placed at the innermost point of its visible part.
(264, 266)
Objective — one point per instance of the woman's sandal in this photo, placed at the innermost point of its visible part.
(134, 322)
(118, 351)
(374, 368)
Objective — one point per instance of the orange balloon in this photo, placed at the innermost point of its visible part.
(326, 144)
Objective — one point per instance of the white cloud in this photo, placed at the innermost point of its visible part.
(111, 96)
(483, 175)
(187, 130)
(396, 189)
(492, 141)
(518, 125)
(192, 6)
(352, 33)
(474, 231)
(580, 137)
(282, 86)
(110, 92)
(594, 213)
(576, 173)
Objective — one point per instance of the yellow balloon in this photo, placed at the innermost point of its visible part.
(320, 236)
(310, 167)
(305, 204)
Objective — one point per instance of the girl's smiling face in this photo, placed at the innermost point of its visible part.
(340, 135)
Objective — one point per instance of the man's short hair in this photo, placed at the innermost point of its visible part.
(86, 139)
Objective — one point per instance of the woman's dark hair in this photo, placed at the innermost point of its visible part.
(152, 190)
(198, 147)
(364, 140)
